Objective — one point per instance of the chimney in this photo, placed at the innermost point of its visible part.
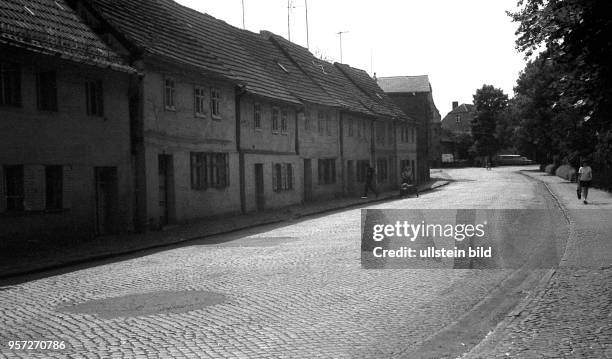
(455, 104)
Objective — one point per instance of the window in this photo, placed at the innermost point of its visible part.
(284, 121)
(380, 133)
(275, 114)
(350, 127)
(14, 188)
(215, 100)
(209, 170)
(359, 128)
(257, 116)
(320, 120)
(307, 121)
(458, 118)
(327, 123)
(46, 91)
(327, 171)
(381, 169)
(169, 94)
(413, 131)
(94, 94)
(199, 101)
(10, 84)
(54, 187)
(362, 170)
(390, 133)
(282, 177)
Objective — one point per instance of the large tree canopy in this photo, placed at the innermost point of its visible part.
(489, 103)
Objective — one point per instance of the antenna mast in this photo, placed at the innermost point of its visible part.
(307, 36)
(340, 35)
(243, 26)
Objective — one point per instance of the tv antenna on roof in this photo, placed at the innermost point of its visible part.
(243, 27)
(340, 35)
(289, 7)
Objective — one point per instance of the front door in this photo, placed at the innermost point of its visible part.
(106, 199)
(164, 162)
(260, 197)
(350, 176)
(307, 179)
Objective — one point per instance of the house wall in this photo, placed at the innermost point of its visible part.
(180, 132)
(69, 138)
(356, 147)
(385, 149)
(418, 106)
(317, 145)
(266, 146)
(407, 147)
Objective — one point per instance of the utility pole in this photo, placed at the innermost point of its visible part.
(243, 26)
(340, 35)
(307, 36)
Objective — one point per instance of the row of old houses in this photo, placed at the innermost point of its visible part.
(120, 116)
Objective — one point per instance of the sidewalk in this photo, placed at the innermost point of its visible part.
(570, 313)
(35, 257)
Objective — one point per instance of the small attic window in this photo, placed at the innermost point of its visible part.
(281, 66)
(28, 10)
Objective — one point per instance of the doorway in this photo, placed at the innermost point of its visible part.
(307, 179)
(106, 200)
(164, 172)
(260, 197)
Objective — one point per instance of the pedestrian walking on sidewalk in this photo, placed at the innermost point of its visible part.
(585, 176)
(369, 184)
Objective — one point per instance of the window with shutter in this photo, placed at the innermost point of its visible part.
(53, 187)
(34, 188)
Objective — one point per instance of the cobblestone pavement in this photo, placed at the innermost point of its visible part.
(291, 290)
(572, 315)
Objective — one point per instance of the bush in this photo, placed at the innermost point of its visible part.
(550, 169)
(566, 172)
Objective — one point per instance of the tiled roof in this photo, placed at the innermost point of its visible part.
(152, 27)
(52, 27)
(402, 84)
(282, 69)
(382, 103)
(244, 53)
(463, 108)
(327, 76)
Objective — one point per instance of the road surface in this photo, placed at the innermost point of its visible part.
(293, 290)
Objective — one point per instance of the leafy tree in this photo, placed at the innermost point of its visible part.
(576, 36)
(489, 103)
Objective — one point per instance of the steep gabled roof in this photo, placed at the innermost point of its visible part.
(234, 48)
(326, 75)
(282, 69)
(404, 84)
(152, 27)
(382, 103)
(463, 108)
(52, 27)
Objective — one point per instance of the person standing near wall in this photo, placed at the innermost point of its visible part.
(369, 183)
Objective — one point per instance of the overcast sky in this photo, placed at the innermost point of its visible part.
(461, 45)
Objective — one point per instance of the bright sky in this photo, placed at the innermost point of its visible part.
(461, 45)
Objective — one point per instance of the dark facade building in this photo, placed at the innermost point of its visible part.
(413, 95)
(459, 119)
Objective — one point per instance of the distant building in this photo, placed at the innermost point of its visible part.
(459, 119)
(413, 94)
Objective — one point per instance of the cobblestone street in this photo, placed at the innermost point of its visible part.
(294, 289)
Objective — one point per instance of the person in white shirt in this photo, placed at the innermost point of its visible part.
(585, 176)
